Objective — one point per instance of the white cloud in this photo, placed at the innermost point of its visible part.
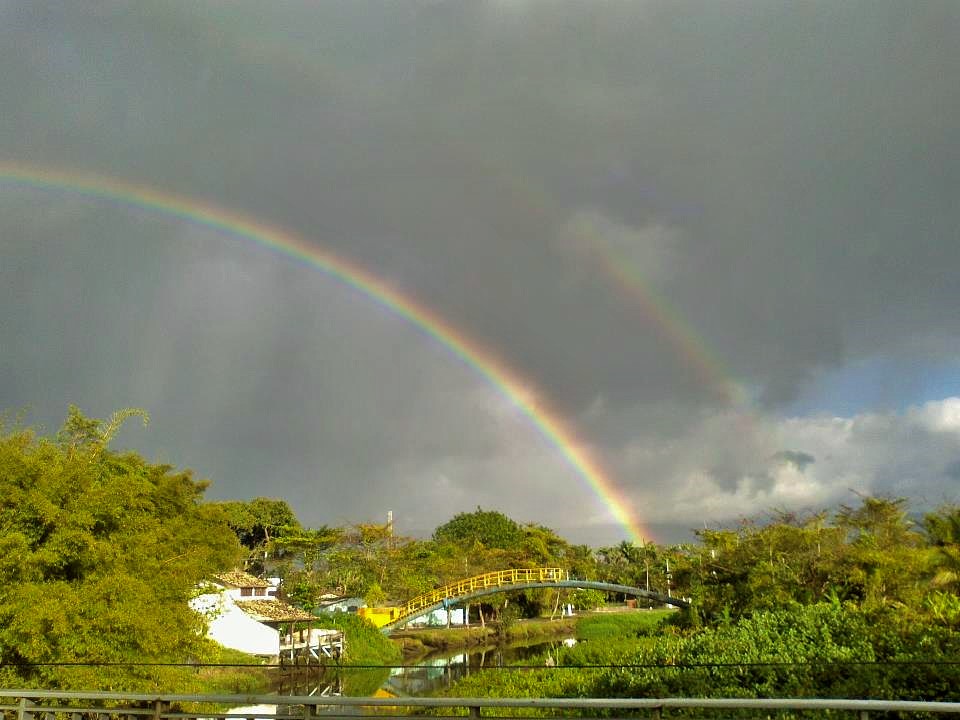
(717, 472)
(942, 416)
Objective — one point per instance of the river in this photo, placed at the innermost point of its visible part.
(439, 670)
(423, 676)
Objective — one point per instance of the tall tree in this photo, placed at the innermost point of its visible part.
(943, 532)
(99, 554)
(258, 523)
(490, 528)
(881, 563)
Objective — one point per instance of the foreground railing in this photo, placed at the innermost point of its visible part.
(52, 705)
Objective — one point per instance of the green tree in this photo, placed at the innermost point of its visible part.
(257, 524)
(943, 534)
(304, 546)
(882, 562)
(99, 555)
(490, 528)
(788, 560)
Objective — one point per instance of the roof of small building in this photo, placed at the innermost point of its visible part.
(334, 599)
(272, 611)
(238, 578)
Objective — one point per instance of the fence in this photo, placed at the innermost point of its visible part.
(497, 578)
(53, 705)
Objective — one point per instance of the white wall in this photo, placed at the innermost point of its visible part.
(231, 627)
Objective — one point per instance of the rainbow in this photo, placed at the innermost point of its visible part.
(486, 363)
(676, 331)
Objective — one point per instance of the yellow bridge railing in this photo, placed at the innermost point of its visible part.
(497, 578)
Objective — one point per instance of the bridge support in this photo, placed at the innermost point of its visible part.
(500, 581)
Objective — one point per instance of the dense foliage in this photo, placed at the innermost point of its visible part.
(820, 650)
(364, 644)
(99, 554)
(858, 603)
(369, 561)
(487, 527)
(865, 586)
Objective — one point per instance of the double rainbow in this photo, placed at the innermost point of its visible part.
(554, 428)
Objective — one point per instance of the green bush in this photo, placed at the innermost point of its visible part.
(364, 643)
(620, 625)
(823, 650)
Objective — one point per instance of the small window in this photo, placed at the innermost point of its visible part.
(246, 592)
(260, 592)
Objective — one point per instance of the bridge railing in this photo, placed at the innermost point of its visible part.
(54, 705)
(497, 578)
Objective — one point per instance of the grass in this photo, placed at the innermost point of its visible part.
(609, 626)
(364, 644)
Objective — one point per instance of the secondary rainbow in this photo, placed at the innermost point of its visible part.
(677, 332)
(658, 314)
(520, 392)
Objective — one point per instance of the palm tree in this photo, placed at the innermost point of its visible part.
(943, 533)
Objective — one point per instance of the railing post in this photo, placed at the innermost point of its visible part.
(656, 713)
(22, 712)
(864, 715)
(159, 707)
(473, 711)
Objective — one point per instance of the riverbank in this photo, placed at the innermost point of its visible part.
(414, 643)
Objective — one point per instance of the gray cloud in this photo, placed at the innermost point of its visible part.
(800, 460)
(900, 454)
(952, 470)
(778, 181)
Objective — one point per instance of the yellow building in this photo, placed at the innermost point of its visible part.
(379, 616)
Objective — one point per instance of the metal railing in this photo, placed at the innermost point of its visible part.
(54, 705)
(497, 578)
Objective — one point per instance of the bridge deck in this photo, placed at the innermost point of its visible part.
(467, 586)
(514, 579)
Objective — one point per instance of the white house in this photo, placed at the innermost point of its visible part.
(244, 615)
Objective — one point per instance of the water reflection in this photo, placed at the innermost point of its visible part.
(439, 671)
(421, 677)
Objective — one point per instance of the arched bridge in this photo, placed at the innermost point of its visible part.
(463, 591)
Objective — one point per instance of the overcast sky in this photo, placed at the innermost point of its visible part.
(780, 182)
